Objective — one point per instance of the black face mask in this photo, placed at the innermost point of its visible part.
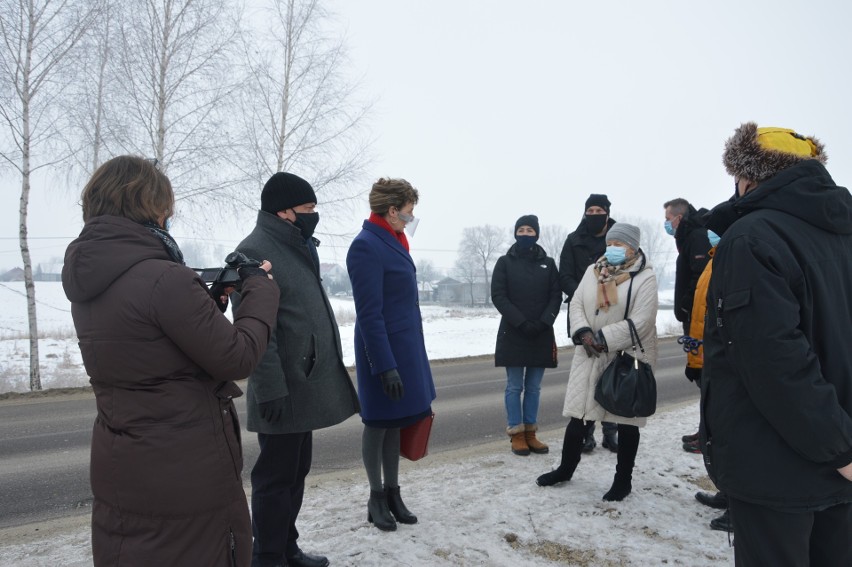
(307, 223)
(596, 223)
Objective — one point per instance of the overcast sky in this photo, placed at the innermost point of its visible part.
(494, 108)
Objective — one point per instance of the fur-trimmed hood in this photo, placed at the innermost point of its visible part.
(760, 153)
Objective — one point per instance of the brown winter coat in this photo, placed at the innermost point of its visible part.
(166, 456)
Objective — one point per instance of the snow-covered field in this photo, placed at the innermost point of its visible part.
(450, 332)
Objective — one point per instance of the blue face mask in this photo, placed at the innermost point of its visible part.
(669, 228)
(615, 255)
(713, 238)
(525, 242)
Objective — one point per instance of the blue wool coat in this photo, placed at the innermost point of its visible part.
(388, 326)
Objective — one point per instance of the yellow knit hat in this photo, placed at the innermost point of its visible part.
(760, 153)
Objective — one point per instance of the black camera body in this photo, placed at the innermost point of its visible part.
(228, 276)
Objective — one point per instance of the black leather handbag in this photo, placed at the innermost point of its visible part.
(627, 387)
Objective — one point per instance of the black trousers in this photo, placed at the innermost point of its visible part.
(763, 536)
(277, 488)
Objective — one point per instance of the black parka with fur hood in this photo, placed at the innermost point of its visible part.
(776, 395)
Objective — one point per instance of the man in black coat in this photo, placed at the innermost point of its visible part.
(582, 248)
(777, 383)
(693, 249)
(692, 256)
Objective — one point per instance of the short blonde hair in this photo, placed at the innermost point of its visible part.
(387, 193)
(130, 187)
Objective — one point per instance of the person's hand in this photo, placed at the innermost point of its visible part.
(846, 472)
(693, 374)
(392, 385)
(246, 272)
(272, 410)
(540, 326)
(528, 329)
(220, 294)
(592, 347)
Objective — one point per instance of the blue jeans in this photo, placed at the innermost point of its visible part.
(530, 385)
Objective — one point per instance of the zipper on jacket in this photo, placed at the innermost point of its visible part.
(233, 547)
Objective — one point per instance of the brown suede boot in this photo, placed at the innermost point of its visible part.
(519, 441)
(534, 444)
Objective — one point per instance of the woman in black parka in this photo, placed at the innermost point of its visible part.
(525, 290)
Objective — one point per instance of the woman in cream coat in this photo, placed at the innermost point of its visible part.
(599, 329)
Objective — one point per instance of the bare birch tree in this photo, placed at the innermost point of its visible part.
(552, 239)
(175, 63)
(301, 114)
(483, 245)
(37, 36)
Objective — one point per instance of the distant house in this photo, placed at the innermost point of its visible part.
(335, 279)
(450, 290)
(13, 275)
(48, 273)
(425, 291)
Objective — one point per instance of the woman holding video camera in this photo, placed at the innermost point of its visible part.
(166, 455)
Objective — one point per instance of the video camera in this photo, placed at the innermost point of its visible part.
(228, 276)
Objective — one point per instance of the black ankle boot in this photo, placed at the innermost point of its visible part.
(378, 512)
(397, 506)
(610, 441)
(621, 487)
(554, 477)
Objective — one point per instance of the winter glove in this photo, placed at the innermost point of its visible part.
(592, 347)
(392, 385)
(272, 410)
(528, 329)
(220, 296)
(693, 375)
(248, 271)
(541, 327)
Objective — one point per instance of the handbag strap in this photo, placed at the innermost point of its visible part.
(629, 290)
(634, 336)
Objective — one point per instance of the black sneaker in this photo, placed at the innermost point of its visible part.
(589, 444)
(722, 523)
(692, 447)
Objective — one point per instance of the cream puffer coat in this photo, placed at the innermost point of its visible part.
(585, 371)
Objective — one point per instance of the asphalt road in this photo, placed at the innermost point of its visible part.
(44, 442)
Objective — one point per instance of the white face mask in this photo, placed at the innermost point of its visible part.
(410, 221)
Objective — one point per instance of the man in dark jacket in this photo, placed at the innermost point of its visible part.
(693, 253)
(692, 256)
(301, 383)
(777, 383)
(582, 248)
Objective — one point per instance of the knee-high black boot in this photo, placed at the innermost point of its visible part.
(628, 446)
(572, 451)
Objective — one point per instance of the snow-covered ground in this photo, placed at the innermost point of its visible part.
(477, 506)
(481, 507)
(450, 332)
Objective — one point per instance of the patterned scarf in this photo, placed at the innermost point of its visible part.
(168, 242)
(609, 277)
(379, 220)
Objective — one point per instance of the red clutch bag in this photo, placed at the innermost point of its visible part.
(414, 439)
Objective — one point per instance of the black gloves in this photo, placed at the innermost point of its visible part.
(392, 385)
(246, 272)
(272, 410)
(220, 296)
(541, 326)
(590, 344)
(693, 375)
(528, 329)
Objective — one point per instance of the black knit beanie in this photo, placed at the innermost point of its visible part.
(285, 191)
(598, 200)
(528, 220)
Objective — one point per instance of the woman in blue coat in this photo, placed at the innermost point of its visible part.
(394, 380)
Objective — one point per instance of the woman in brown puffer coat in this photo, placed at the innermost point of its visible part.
(166, 456)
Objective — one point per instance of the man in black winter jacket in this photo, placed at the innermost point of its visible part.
(582, 248)
(692, 256)
(777, 383)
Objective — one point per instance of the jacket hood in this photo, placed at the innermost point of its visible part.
(107, 247)
(689, 223)
(805, 191)
(534, 253)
